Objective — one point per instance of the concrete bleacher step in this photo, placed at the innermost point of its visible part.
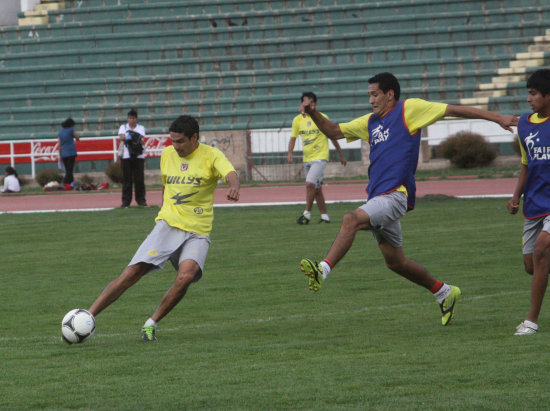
(39, 15)
(248, 75)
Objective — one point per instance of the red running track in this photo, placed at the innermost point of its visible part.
(334, 192)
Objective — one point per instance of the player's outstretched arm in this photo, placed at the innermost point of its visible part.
(513, 204)
(505, 121)
(234, 186)
(327, 127)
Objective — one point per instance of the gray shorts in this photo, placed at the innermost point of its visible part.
(385, 211)
(315, 171)
(168, 243)
(531, 230)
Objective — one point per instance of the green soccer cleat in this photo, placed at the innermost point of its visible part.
(148, 333)
(314, 271)
(448, 305)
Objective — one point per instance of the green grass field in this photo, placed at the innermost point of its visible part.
(250, 335)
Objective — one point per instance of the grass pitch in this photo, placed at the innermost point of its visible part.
(250, 335)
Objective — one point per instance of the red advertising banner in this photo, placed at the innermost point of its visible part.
(102, 148)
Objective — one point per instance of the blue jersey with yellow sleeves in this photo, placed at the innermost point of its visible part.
(394, 140)
(189, 185)
(534, 139)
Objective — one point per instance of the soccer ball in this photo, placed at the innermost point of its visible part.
(77, 326)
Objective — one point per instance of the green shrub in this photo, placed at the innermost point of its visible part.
(114, 171)
(86, 179)
(467, 150)
(43, 177)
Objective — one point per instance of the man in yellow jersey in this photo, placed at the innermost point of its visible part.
(316, 154)
(190, 172)
(393, 133)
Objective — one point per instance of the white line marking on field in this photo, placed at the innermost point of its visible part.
(57, 339)
(67, 210)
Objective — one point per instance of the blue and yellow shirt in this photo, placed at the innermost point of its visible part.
(394, 141)
(534, 139)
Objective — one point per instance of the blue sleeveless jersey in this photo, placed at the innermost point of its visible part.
(535, 139)
(393, 154)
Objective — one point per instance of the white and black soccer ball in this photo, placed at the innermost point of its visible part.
(77, 326)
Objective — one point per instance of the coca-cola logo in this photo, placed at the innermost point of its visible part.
(154, 146)
(45, 151)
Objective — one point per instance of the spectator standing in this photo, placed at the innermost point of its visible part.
(67, 148)
(133, 163)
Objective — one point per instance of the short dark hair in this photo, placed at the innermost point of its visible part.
(69, 123)
(132, 113)
(186, 125)
(11, 171)
(309, 94)
(386, 82)
(540, 81)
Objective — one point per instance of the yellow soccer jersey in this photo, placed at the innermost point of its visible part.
(314, 143)
(189, 185)
(418, 113)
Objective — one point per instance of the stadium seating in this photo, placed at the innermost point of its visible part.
(242, 64)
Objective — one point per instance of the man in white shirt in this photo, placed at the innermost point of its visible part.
(133, 161)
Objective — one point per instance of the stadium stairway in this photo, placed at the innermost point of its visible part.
(506, 91)
(239, 64)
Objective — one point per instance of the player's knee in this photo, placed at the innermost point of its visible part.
(185, 278)
(350, 221)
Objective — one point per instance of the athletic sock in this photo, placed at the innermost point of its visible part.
(325, 217)
(531, 324)
(441, 291)
(307, 214)
(150, 322)
(327, 268)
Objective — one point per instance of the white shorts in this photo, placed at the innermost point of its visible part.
(315, 171)
(168, 243)
(531, 230)
(385, 211)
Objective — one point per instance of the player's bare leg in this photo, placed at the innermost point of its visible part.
(351, 223)
(320, 200)
(405, 267)
(187, 271)
(310, 196)
(541, 265)
(130, 275)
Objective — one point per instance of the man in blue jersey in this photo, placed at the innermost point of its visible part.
(534, 183)
(393, 133)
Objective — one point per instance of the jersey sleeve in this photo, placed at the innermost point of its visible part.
(163, 165)
(420, 113)
(295, 127)
(356, 129)
(222, 165)
(523, 153)
(122, 129)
